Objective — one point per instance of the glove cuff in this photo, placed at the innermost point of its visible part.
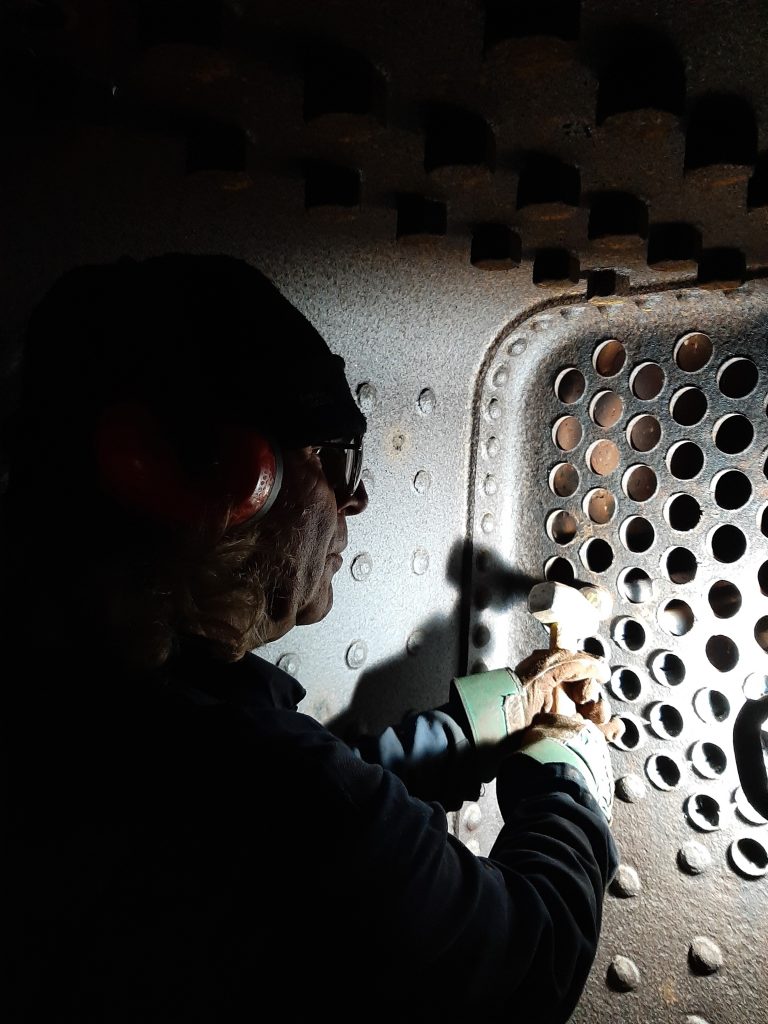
(483, 695)
(588, 753)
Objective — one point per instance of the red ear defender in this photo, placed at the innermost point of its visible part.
(141, 469)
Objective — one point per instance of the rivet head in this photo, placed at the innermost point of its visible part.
(422, 482)
(517, 348)
(420, 561)
(704, 955)
(493, 411)
(362, 566)
(626, 882)
(367, 477)
(623, 974)
(490, 484)
(487, 523)
(427, 401)
(481, 636)
(415, 642)
(630, 788)
(473, 846)
(357, 652)
(290, 663)
(491, 447)
(693, 857)
(472, 816)
(501, 376)
(366, 397)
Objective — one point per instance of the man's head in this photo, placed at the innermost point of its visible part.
(163, 403)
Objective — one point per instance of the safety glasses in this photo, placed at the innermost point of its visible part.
(342, 463)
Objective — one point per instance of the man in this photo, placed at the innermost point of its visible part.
(185, 844)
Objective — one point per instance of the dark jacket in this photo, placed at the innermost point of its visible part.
(191, 847)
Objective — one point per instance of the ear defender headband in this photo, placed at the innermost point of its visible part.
(140, 468)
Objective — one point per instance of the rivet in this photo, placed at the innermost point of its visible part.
(415, 641)
(630, 788)
(487, 523)
(357, 652)
(290, 663)
(472, 816)
(362, 566)
(420, 561)
(490, 486)
(366, 397)
(501, 376)
(493, 412)
(623, 974)
(704, 955)
(427, 401)
(422, 481)
(398, 442)
(517, 348)
(473, 846)
(368, 479)
(626, 882)
(491, 447)
(481, 636)
(693, 857)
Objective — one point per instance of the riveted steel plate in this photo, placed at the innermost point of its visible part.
(682, 545)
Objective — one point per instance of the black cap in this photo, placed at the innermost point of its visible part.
(199, 339)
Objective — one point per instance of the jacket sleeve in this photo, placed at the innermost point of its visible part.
(510, 936)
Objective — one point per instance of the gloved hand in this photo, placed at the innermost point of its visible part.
(501, 703)
(557, 738)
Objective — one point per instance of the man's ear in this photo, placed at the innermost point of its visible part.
(140, 467)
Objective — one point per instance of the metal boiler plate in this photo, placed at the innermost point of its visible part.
(626, 444)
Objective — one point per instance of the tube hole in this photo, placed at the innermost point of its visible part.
(682, 512)
(632, 737)
(676, 617)
(693, 352)
(594, 645)
(722, 653)
(567, 433)
(635, 585)
(755, 686)
(749, 857)
(737, 377)
(570, 385)
(600, 505)
(761, 633)
(562, 527)
(606, 409)
(647, 381)
(597, 555)
(629, 634)
(609, 358)
(728, 543)
(703, 812)
(762, 578)
(663, 771)
(667, 668)
(733, 434)
(644, 432)
(685, 460)
(681, 565)
(559, 570)
(626, 685)
(640, 483)
(688, 406)
(665, 720)
(603, 457)
(712, 706)
(708, 759)
(564, 480)
(724, 599)
(637, 534)
(732, 489)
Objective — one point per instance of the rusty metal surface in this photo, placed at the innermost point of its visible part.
(452, 269)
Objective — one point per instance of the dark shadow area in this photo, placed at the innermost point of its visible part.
(721, 130)
(388, 691)
(504, 20)
(638, 69)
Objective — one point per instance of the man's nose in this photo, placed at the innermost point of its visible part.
(355, 503)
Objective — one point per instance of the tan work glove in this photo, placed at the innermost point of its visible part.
(501, 703)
